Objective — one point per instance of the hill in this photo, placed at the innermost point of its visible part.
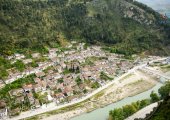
(124, 26)
(163, 111)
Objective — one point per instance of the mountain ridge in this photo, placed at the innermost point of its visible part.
(124, 26)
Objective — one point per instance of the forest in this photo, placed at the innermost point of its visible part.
(31, 25)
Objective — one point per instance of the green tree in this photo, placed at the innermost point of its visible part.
(165, 90)
(19, 65)
(128, 110)
(95, 85)
(154, 97)
(117, 114)
(78, 80)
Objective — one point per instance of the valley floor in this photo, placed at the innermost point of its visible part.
(130, 85)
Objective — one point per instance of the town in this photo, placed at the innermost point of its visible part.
(60, 77)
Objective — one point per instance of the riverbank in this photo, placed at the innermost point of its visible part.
(129, 86)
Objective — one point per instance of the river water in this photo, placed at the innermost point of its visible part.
(102, 113)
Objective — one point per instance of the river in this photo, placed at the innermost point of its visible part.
(102, 113)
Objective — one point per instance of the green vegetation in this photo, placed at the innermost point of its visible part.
(161, 114)
(36, 24)
(154, 97)
(11, 101)
(19, 65)
(4, 65)
(105, 77)
(15, 85)
(66, 71)
(78, 80)
(127, 110)
(95, 85)
(33, 64)
(165, 90)
(41, 97)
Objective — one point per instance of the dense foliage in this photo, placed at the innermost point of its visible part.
(164, 91)
(32, 24)
(128, 110)
(163, 112)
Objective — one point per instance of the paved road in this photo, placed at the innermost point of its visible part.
(54, 107)
(142, 113)
(147, 69)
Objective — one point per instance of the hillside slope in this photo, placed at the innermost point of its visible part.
(126, 27)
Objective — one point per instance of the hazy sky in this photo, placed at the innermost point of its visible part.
(162, 6)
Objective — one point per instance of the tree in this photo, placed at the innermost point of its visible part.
(117, 114)
(165, 90)
(154, 97)
(78, 80)
(129, 110)
(19, 65)
(95, 85)
(144, 103)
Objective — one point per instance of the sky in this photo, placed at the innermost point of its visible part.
(162, 6)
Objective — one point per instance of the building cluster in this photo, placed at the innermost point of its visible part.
(64, 76)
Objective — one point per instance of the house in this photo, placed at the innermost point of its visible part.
(59, 97)
(37, 87)
(60, 86)
(55, 60)
(49, 97)
(3, 113)
(57, 76)
(20, 99)
(72, 98)
(43, 85)
(82, 86)
(19, 56)
(26, 61)
(68, 91)
(30, 98)
(15, 112)
(28, 88)
(3, 109)
(2, 84)
(2, 104)
(52, 52)
(58, 68)
(73, 42)
(16, 92)
(40, 74)
(51, 85)
(10, 57)
(35, 55)
(168, 60)
(37, 80)
(63, 65)
(50, 71)
(37, 103)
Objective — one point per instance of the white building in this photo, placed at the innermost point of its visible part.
(3, 113)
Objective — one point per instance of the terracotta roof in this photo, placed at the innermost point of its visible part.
(29, 86)
(2, 104)
(59, 95)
